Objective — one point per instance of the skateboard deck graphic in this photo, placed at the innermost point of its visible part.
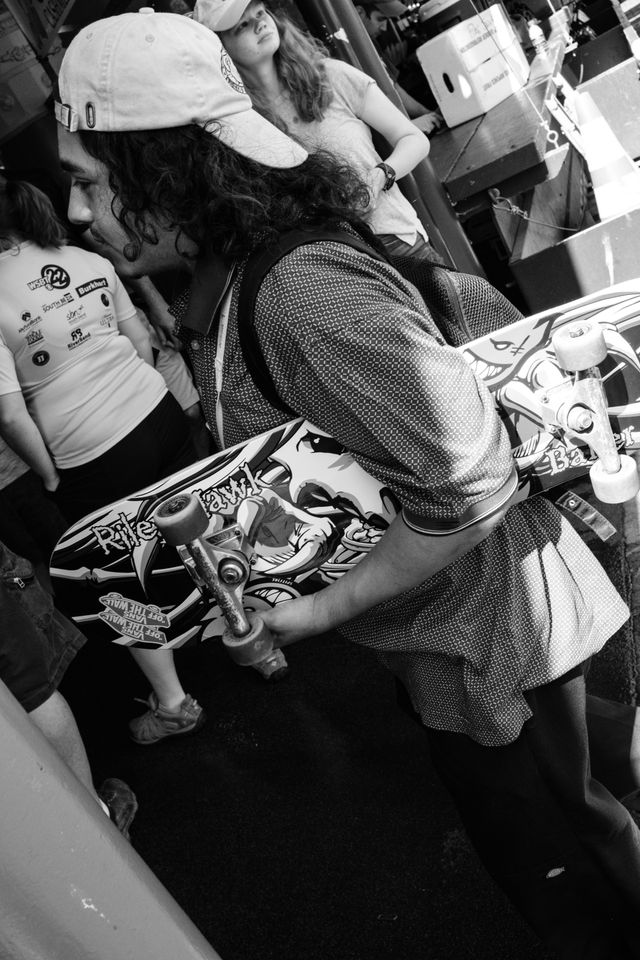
(309, 510)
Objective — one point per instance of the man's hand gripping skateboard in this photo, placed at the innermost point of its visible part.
(220, 564)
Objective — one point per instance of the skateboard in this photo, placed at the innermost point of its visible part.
(290, 511)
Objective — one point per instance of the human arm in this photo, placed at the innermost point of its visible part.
(135, 331)
(157, 310)
(19, 430)
(409, 145)
(424, 119)
(402, 559)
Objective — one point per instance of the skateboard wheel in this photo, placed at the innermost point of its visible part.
(274, 667)
(181, 519)
(579, 346)
(253, 647)
(615, 487)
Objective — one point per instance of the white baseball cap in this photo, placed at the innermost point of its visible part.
(388, 8)
(219, 14)
(151, 71)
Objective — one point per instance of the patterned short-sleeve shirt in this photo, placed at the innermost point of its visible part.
(352, 348)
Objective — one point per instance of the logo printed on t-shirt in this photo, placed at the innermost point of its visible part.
(65, 298)
(77, 337)
(52, 277)
(28, 320)
(105, 299)
(34, 336)
(40, 358)
(73, 316)
(91, 285)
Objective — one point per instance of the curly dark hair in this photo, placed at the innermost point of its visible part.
(223, 201)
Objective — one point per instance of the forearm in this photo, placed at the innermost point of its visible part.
(138, 334)
(148, 293)
(408, 152)
(142, 346)
(24, 438)
(157, 311)
(401, 560)
(413, 107)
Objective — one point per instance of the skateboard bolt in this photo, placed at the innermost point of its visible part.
(579, 419)
(231, 571)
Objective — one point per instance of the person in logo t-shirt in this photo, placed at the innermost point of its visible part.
(80, 400)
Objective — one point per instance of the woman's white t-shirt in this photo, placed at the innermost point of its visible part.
(342, 133)
(84, 384)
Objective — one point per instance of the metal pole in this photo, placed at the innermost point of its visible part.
(339, 24)
(71, 888)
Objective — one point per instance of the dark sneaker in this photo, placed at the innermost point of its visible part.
(157, 723)
(122, 803)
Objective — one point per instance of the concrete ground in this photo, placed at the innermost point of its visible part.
(304, 821)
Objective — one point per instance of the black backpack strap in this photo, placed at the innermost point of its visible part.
(260, 262)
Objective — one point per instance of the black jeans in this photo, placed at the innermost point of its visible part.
(563, 849)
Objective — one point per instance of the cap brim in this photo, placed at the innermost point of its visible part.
(254, 137)
(391, 8)
(224, 18)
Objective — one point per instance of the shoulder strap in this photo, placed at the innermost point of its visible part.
(257, 267)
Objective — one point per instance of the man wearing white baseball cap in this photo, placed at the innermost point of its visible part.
(485, 610)
(189, 79)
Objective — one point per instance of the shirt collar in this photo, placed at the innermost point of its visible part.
(211, 280)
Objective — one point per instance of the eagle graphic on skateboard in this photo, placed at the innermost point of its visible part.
(201, 553)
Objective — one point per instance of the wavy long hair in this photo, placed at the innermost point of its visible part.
(26, 213)
(188, 179)
(299, 63)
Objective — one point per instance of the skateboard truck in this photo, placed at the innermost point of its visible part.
(219, 563)
(578, 406)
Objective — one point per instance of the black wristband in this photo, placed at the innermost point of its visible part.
(389, 174)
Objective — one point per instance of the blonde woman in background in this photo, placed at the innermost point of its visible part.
(325, 104)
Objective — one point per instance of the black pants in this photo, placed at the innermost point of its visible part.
(30, 524)
(157, 447)
(563, 849)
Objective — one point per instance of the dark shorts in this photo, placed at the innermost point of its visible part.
(37, 643)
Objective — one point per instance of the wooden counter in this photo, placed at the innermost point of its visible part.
(506, 146)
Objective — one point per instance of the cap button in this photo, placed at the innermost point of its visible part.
(146, 10)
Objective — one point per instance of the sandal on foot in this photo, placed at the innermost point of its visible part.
(158, 723)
